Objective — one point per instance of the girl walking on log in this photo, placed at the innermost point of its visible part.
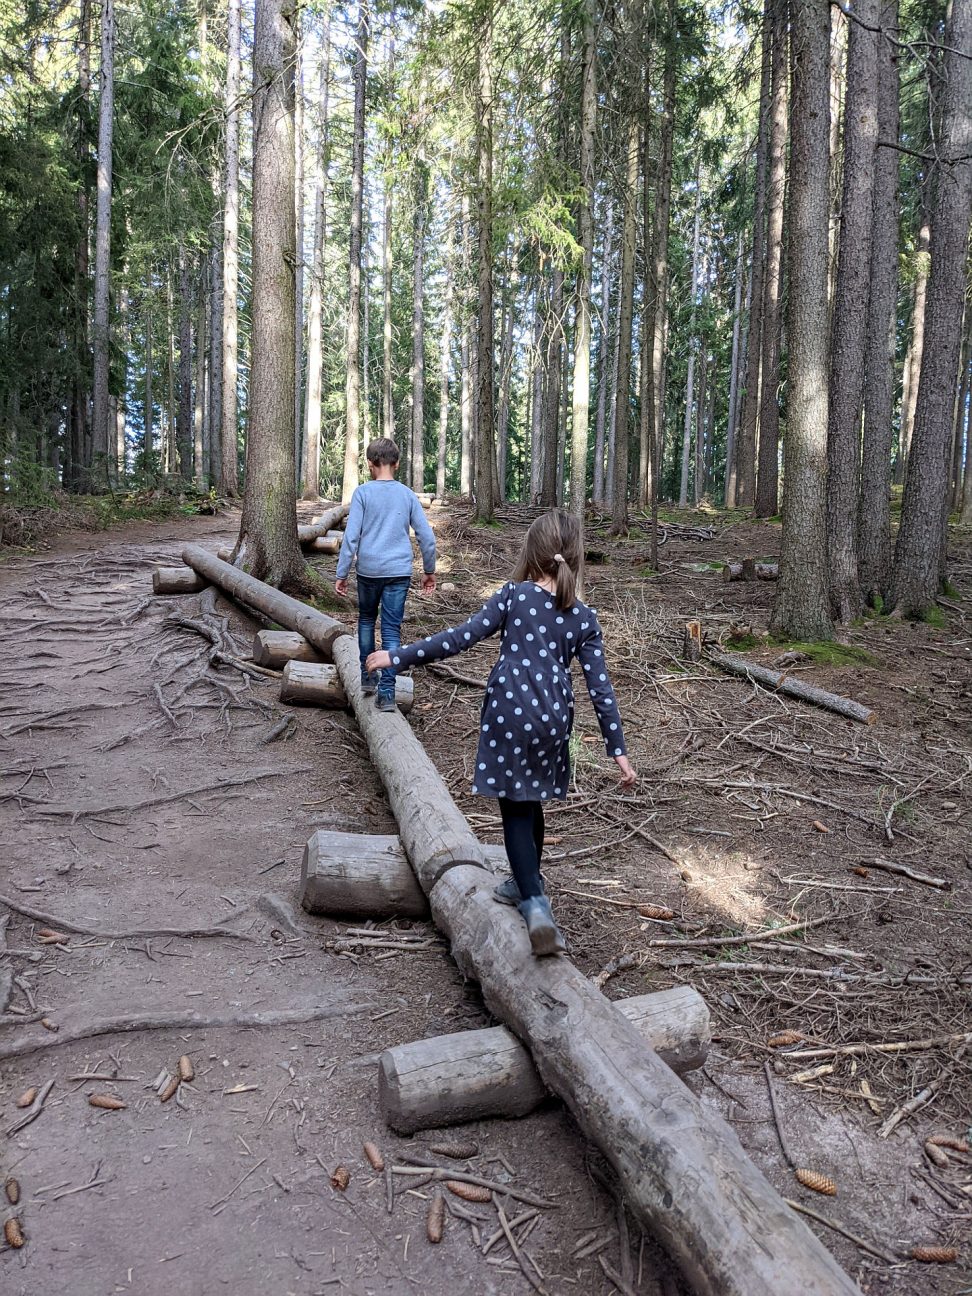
(528, 711)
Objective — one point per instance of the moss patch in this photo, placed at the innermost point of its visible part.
(830, 653)
(934, 616)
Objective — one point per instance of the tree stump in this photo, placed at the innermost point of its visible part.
(177, 580)
(479, 1074)
(274, 648)
(316, 684)
(692, 642)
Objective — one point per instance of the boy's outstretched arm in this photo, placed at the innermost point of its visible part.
(426, 538)
(349, 545)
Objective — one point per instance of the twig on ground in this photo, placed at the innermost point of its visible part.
(908, 1109)
(531, 1278)
(218, 785)
(32, 1112)
(902, 1046)
(887, 867)
(869, 1247)
(701, 941)
(784, 1146)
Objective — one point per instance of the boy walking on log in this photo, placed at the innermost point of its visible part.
(383, 512)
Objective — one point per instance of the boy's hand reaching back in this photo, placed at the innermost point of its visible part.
(428, 584)
(341, 588)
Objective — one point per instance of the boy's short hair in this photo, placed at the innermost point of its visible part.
(383, 451)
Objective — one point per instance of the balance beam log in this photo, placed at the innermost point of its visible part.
(274, 648)
(364, 876)
(328, 521)
(480, 1074)
(176, 580)
(316, 684)
(680, 1167)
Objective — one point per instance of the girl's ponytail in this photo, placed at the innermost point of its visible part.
(552, 548)
(566, 582)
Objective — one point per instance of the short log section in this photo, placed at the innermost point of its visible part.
(795, 688)
(681, 1167)
(328, 521)
(480, 1074)
(362, 876)
(750, 570)
(176, 580)
(275, 648)
(315, 684)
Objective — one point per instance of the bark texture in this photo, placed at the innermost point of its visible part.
(622, 413)
(352, 385)
(311, 474)
(225, 432)
(102, 438)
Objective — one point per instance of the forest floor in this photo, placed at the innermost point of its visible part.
(137, 794)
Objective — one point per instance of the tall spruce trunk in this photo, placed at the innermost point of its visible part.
(148, 405)
(226, 371)
(505, 381)
(849, 329)
(605, 333)
(916, 342)
(537, 390)
(693, 345)
(199, 464)
(767, 475)
(184, 443)
(965, 421)
(486, 491)
(874, 517)
(729, 484)
(749, 401)
(466, 394)
(581, 409)
(76, 463)
(101, 431)
(352, 385)
(551, 407)
(169, 409)
(267, 545)
(622, 419)
(213, 437)
(920, 550)
(311, 474)
(121, 401)
(298, 248)
(801, 607)
(657, 324)
(387, 368)
(418, 326)
(954, 494)
(445, 363)
(645, 457)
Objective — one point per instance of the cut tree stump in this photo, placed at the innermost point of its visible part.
(365, 876)
(176, 580)
(692, 642)
(681, 1167)
(327, 521)
(274, 648)
(478, 1074)
(749, 570)
(315, 684)
(796, 688)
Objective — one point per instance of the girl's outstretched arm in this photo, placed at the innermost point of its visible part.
(451, 642)
(590, 654)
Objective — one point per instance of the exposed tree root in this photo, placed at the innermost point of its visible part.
(66, 924)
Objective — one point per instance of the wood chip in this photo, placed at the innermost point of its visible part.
(106, 1102)
(187, 1071)
(12, 1189)
(373, 1153)
(935, 1254)
(820, 1183)
(27, 1097)
(341, 1178)
(13, 1233)
(435, 1222)
(469, 1192)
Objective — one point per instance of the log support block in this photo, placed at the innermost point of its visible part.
(363, 876)
(480, 1074)
(315, 684)
(750, 570)
(275, 648)
(177, 580)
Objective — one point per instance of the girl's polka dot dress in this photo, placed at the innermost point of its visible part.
(528, 710)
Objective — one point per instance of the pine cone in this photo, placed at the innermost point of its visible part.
(341, 1178)
(457, 1151)
(785, 1037)
(12, 1189)
(435, 1223)
(935, 1254)
(468, 1192)
(13, 1233)
(373, 1153)
(949, 1141)
(660, 912)
(106, 1102)
(820, 1183)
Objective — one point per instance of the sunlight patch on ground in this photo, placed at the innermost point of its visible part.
(731, 884)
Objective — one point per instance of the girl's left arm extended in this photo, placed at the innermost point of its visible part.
(590, 654)
(451, 642)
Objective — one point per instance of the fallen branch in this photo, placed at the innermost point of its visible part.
(99, 933)
(126, 1023)
(908, 1109)
(902, 869)
(531, 1278)
(77, 812)
(32, 1112)
(438, 1172)
(829, 974)
(902, 1046)
(458, 676)
(869, 1247)
(701, 941)
(772, 679)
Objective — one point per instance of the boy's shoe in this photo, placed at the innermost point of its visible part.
(369, 684)
(385, 703)
(545, 937)
(508, 892)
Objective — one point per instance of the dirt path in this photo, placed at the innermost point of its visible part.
(220, 1189)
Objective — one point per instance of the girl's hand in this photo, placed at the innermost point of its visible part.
(378, 661)
(628, 776)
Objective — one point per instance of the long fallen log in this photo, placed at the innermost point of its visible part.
(327, 521)
(681, 1168)
(796, 688)
(477, 1074)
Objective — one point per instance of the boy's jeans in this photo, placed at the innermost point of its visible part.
(388, 593)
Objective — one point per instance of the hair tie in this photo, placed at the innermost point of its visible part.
(559, 557)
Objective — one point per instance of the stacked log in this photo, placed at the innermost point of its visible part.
(750, 570)
(176, 580)
(275, 648)
(328, 521)
(316, 684)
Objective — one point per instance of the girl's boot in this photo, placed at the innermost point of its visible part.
(545, 937)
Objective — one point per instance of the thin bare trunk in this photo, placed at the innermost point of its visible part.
(916, 343)
(387, 371)
(77, 460)
(485, 444)
(225, 373)
(352, 387)
(729, 488)
(657, 324)
(445, 363)
(299, 245)
(148, 440)
(693, 345)
(184, 415)
(580, 414)
(199, 449)
(101, 434)
(315, 344)
(418, 327)
(622, 419)
(605, 333)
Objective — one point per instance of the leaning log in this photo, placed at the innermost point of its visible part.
(750, 570)
(795, 688)
(681, 1167)
(328, 521)
(176, 580)
(365, 876)
(275, 648)
(319, 629)
(480, 1074)
(315, 684)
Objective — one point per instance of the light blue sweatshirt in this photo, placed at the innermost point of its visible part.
(377, 532)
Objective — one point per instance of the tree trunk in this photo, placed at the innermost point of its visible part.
(505, 379)
(148, 441)
(198, 421)
(121, 401)
(850, 313)
(418, 326)
(445, 363)
(365, 324)
(919, 554)
(352, 387)
(622, 420)
(874, 518)
(749, 403)
(581, 409)
(169, 410)
(213, 436)
(767, 477)
(315, 347)
(224, 373)
(537, 401)
(486, 449)
(801, 609)
(729, 487)
(101, 433)
(76, 463)
(838, 83)
(267, 546)
(551, 405)
(298, 248)
(184, 443)
(657, 321)
(916, 343)
(466, 391)
(961, 405)
(387, 371)
(693, 343)
(965, 419)
(603, 355)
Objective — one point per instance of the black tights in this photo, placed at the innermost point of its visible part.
(523, 836)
